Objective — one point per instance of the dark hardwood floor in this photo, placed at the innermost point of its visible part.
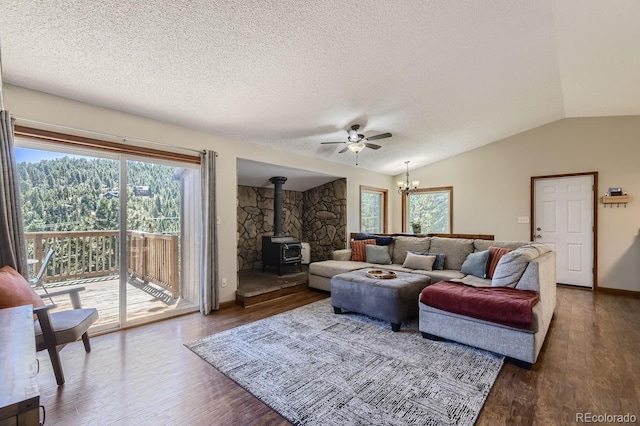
(590, 363)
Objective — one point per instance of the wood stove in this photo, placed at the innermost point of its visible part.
(277, 249)
(280, 251)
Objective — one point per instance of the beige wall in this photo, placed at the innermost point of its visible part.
(492, 185)
(32, 105)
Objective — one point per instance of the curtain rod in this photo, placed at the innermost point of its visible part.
(122, 139)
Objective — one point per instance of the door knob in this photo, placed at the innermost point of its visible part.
(538, 229)
(538, 236)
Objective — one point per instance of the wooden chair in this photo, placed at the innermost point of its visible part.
(54, 330)
(36, 281)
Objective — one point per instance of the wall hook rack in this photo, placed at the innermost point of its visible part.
(617, 200)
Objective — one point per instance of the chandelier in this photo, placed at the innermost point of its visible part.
(408, 187)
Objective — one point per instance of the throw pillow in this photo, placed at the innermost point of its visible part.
(438, 265)
(358, 253)
(15, 290)
(476, 264)
(418, 261)
(510, 268)
(495, 254)
(378, 254)
(381, 240)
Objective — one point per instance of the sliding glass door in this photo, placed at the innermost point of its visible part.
(155, 239)
(123, 239)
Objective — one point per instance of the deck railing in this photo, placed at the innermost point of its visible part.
(86, 254)
(154, 258)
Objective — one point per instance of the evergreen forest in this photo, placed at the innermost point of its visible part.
(74, 193)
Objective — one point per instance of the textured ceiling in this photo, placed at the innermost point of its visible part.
(442, 76)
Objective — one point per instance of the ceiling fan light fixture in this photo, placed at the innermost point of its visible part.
(356, 147)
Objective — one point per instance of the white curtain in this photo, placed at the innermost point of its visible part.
(12, 244)
(209, 243)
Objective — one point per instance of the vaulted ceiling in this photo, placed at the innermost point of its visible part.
(442, 76)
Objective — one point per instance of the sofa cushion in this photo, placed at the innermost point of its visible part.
(418, 261)
(444, 275)
(473, 281)
(455, 250)
(342, 254)
(476, 264)
(495, 254)
(358, 252)
(329, 268)
(381, 240)
(69, 325)
(378, 254)
(402, 245)
(397, 268)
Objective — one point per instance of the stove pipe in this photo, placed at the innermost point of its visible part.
(277, 181)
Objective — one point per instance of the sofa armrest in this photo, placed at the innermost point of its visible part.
(540, 276)
(344, 254)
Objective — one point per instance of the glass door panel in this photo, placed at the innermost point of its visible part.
(154, 236)
(70, 204)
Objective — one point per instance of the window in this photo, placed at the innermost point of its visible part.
(429, 211)
(373, 210)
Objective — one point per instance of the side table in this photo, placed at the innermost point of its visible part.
(19, 395)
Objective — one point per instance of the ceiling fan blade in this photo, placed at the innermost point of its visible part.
(345, 149)
(381, 136)
(326, 143)
(371, 145)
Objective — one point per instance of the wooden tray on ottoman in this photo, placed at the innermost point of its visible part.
(381, 274)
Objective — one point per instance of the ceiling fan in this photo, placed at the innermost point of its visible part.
(356, 142)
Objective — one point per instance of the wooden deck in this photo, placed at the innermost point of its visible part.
(143, 300)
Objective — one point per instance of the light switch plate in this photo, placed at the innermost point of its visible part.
(523, 219)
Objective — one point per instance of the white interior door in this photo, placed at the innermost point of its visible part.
(563, 219)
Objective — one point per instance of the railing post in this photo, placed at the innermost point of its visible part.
(145, 258)
(37, 247)
(174, 275)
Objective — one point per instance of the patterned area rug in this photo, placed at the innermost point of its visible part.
(318, 368)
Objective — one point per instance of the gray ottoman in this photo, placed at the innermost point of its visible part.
(394, 300)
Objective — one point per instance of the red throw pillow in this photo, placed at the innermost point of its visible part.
(495, 253)
(15, 290)
(358, 250)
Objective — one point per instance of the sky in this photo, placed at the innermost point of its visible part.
(36, 155)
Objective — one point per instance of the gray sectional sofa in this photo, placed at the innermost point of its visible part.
(539, 275)
(455, 250)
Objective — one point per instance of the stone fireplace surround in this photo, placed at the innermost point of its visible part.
(317, 216)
